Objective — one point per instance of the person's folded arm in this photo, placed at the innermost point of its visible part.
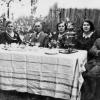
(94, 50)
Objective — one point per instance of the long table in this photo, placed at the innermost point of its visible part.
(35, 72)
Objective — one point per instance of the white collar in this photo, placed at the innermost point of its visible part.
(87, 35)
(11, 34)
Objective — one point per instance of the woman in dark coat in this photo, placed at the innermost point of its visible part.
(9, 36)
(86, 37)
(85, 42)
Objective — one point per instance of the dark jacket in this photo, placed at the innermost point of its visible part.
(43, 38)
(86, 43)
(6, 38)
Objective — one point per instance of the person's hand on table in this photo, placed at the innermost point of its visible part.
(60, 37)
(53, 43)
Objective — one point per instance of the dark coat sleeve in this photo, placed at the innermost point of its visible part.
(95, 48)
(2, 38)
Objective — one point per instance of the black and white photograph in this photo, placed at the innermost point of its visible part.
(49, 50)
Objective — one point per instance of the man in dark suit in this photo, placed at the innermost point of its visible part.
(39, 35)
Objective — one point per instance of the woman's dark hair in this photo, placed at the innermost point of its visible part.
(59, 24)
(92, 28)
(8, 22)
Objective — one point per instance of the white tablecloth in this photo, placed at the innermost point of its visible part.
(33, 71)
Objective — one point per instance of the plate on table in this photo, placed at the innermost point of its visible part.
(66, 51)
(51, 52)
(12, 49)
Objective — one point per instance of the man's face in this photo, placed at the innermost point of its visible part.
(38, 27)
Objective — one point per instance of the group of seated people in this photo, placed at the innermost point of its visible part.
(84, 39)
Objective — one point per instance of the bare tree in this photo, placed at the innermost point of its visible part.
(8, 2)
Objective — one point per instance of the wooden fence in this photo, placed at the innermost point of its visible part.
(77, 16)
